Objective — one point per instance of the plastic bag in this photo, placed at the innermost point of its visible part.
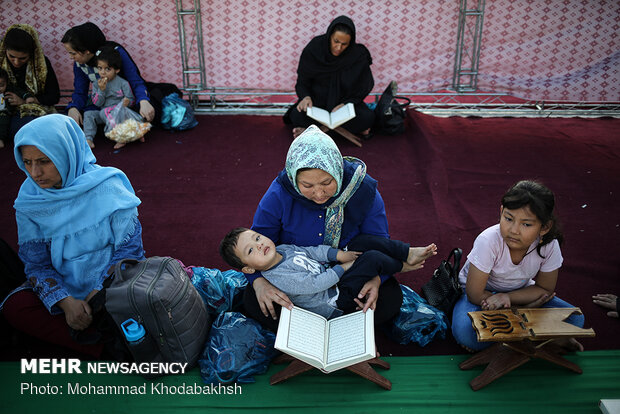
(237, 349)
(221, 291)
(417, 321)
(177, 114)
(124, 125)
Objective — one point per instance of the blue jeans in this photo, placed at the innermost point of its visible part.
(465, 335)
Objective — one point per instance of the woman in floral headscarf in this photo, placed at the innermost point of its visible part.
(33, 85)
(321, 198)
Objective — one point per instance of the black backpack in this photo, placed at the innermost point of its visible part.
(389, 113)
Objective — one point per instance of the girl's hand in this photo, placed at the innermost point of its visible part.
(370, 294)
(348, 256)
(497, 301)
(541, 300)
(77, 313)
(76, 115)
(126, 101)
(146, 110)
(102, 83)
(304, 104)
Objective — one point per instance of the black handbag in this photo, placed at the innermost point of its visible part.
(443, 290)
(390, 113)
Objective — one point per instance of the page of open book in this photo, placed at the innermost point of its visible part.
(307, 333)
(342, 115)
(319, 114)
(347, 337)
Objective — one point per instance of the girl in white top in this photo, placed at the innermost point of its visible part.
(513, 263)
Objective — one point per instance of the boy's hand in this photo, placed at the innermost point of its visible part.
(348, 256)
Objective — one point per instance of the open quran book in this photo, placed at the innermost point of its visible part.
(327, 345)
(332, 119)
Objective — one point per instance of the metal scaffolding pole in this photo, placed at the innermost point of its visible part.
(192, 50)
(468, 41)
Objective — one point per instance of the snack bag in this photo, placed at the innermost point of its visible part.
(124, 125)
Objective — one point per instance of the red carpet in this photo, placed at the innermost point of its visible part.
(442, 182)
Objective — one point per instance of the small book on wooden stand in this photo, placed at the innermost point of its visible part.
(327, 345)
(309, 340)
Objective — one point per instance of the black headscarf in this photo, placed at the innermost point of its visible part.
(87, 36)
(330, 80)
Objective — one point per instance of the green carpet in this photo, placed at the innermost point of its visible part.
(431, 384)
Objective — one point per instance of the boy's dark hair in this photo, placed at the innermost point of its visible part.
(4, 75)
(541, 202)
(227, 247)
(111, 56)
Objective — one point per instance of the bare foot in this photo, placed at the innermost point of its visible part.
(119, 145)
(1, 144)
(142, 139)
(570, 344)
(297, 131)
(91, 144)
(417, 255)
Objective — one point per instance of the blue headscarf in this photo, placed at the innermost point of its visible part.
(87, 218)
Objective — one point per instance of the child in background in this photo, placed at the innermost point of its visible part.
(302, 273)
(514, 263)
(5, 109)
(109, 90)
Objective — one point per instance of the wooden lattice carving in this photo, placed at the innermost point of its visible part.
(516, 324)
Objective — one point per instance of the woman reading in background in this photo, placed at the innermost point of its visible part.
(333, 71)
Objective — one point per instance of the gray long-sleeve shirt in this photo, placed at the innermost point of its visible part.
(306, 279)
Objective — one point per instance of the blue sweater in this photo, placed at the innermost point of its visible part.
(130, 72)
(286, 217)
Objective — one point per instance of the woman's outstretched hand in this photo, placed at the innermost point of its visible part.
(147, 111)
(75, 115)
(608, 301)
(267, 294)
(369, 294)
(77, 313)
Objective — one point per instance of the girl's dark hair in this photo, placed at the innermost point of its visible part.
(111, 56)
(227, 248)
(20, 41)
(541, 202)
(4, 75)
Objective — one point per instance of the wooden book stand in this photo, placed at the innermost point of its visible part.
(345, 133)
(363, 369)
(523, 334)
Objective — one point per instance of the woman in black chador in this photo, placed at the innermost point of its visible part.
(333, 71)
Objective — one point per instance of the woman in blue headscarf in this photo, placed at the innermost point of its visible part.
(322, 197)
(75, 219)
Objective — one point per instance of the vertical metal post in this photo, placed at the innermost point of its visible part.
(468, 41)
(192, 51)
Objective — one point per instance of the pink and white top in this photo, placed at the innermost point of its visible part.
(491, 255)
